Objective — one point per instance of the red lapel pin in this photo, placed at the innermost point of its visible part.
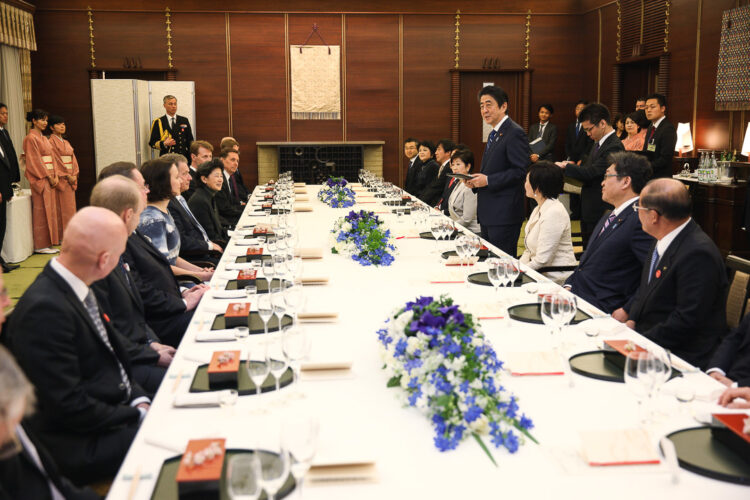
(658, 273)
(106, 318)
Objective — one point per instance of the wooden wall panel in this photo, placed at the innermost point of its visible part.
(501, 37)
(60, 84)
(428, 58)
(199, 53)
(683, 25)
(372, 85)
(133, 34)
(300, 26)
(609, 52)
(258, 96)
(589, 26)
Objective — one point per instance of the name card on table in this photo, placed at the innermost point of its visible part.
(267, 205)
(201, 466)
(260, 230)
(223, 367)
(618, 447)
(268, 197)
(236, 314)
(254, 252)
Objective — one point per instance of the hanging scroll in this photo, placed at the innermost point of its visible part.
(733, 74)
(316, 82)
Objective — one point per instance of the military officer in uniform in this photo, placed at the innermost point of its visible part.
(171, 133)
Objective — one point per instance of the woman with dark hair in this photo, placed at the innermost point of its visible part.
(202, 204)
(548, 245)
(462, 203)
(40, 172)
(156, 224)
(428, 171)
(636, 125)
(618, 121)
(66, 167)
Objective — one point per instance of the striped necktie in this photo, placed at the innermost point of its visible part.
(654, 262)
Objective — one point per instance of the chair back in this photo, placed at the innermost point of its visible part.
(737, 299)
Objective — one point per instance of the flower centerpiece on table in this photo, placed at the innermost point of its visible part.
(450, 372)
(335, 194)
(364, 237)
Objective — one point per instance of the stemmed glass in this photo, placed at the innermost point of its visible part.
(638, 375)
(299, 435)
(495, 273)
(513, 270)
(461, 249)
(296, 346)
(274, 469)
(278, 360)
(265, 309)
(269, 271)
(278, 303)
(436, 230)
(279, 266)
(258, 365)
(243, 477)
(294, 298)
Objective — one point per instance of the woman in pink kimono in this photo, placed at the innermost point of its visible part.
(66, 167)
(40, 171)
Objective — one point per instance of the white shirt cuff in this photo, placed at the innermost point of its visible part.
(716, 370)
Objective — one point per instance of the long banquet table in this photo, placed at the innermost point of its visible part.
(363, 417)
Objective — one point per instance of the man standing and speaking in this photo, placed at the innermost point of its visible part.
(499, 185)
(171, 133)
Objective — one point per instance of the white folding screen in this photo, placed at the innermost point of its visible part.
(122, 114)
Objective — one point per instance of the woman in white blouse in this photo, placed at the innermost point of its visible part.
(462, 202)
(548, 244)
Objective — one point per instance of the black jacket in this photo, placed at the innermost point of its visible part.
(733, 354)
(432, 193)
(20, 477)
(412, 173)
(683, 308)
(428, 172)
(664, 138)
(82, 400)
(9, 172)
(230, 209)
(191, 238)
(182, 134)
(591, 173)
(576, 146)
(203, 206)
(549, 138)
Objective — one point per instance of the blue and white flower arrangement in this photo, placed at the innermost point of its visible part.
(335, 194)
(450, 372)
(363, 236)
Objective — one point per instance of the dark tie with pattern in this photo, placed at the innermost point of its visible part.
(490, 140)
(654, 261)
(93, 309)
(607, 222)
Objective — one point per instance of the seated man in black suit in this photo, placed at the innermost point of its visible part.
(228, 200)
(609, 271)
(681, 301)
(26, 468)
(90, 407)
(231, 143)
(118, 296)
(194, 242)
(412, 171)
(661, 136)
(731, 362)
(597, 124)
(167, 309)
(200, 152)
(432, 194)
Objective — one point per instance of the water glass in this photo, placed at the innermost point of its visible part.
(258, 365)
(243, 477)
(299, 436)
(265, 309)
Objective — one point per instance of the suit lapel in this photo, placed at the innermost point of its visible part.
(149, 247)
(119, 276)
(664, 267)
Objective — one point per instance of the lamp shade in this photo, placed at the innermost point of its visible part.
(684, 138)
(746, 143)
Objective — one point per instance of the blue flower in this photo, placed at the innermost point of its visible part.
(472, 413)
(511, 442)
(526, 422)
(400, 347)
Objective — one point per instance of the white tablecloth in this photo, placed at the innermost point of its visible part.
(19, 239)
(362, 414)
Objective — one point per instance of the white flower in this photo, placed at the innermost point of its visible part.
(481, 425)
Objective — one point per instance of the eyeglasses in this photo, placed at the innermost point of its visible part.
(612, 175)
(589, 129)
(637, 207)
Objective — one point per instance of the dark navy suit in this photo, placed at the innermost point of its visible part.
(733, 354)
(609, 271)
(683, 308)
(500, 207)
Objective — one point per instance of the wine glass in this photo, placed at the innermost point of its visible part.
(550, 311)
(513, 270)
(495, 273)
(265, 310)
(243, 477)
(279, 265)
(274, 470)
(278, 303)
(637, 378)
(296, 346)
(258, 365)
(268, 271)
(294, 298)
(278, 360)
(299, 436)
(436, 230)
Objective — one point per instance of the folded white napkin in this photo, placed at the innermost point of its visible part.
(198, 399)
(239, 266)
(167, 443)
(326, 364)
(235, 251)
(215, 336)
(301, 198)
(303, 208)
(246, 242)
(314, 280)
(534, 363)
(240, 232)
(228, 294)
(226, 275)
(309, 253)
(618, 447)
